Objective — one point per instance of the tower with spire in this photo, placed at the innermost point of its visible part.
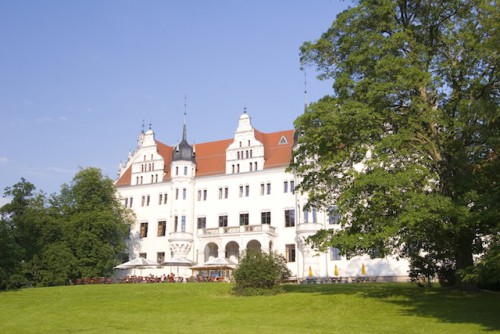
(183, 173)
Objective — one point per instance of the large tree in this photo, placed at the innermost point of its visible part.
(407, 144)
(47, 240)
(97, 223)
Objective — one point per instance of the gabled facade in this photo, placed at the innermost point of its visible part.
(216, 199)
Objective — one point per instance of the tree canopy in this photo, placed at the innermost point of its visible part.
(407, 144)
(47, 240)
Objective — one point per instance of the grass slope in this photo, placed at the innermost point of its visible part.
(202, 308)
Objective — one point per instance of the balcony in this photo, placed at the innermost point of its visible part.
(309, 228)
(237, 230)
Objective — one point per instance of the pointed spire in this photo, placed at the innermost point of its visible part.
(184, 138)
(305, 90)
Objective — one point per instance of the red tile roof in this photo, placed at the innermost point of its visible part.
(211, 156)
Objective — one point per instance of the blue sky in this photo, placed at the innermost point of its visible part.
(77, 78)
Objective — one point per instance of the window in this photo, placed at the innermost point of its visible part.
(199, 195)
(176, 170)
(241, 191)
(306, 216)
(283, 141)
(292, 185)
(268, 188)
(237, 168)
(152, 179)
(290, 253)
(285, 186)
(144, 230)
(141, 180)
(176, 223)
(314, 215)
(185, 170)
(244, 219)
(333, 215)
(226, 192)
(160, 199)
(232, 169)
(156, 178)
(265, 217)
(251, 166)
(131, 201)
(165, 199)
(162, 227)
(334, 254)
(223, 221)
(289, 218)
(183, 223)
(262, 188)
(205, 194)
(202, 222)
(147, 200)
(143, 201)
(126, 202)
(238, 154)
(247, 190)
(160, 257)
(143, 255)
(184, 193)
(220, 193)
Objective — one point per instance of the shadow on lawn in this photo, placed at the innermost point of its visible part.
(447, 305)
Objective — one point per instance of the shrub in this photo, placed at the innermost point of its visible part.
(260, 273)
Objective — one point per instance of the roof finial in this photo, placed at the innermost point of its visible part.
(142, 126)
(184, 126)
(149, 125)
(305, 89)
(245, 109)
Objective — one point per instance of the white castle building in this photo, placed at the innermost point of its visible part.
(216, 199)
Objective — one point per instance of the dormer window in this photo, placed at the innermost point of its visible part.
(283, 141)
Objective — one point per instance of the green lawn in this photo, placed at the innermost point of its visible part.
(210, 308)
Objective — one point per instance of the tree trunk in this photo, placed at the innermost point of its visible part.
(464, 259)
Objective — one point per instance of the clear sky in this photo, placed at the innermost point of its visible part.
(77, 78)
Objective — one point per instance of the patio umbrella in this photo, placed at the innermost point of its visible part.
(178, 261)
(310, 271)
(137, 263)
(363, 269)
(336, 271)
(216, 264)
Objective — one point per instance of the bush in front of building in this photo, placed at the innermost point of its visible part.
(260, 273)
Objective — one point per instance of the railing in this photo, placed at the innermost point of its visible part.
(308, 227)
(239, 229)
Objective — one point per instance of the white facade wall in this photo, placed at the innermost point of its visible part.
(206, 197)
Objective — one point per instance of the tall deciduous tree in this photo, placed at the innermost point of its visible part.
(407, 145)
(97, 222)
